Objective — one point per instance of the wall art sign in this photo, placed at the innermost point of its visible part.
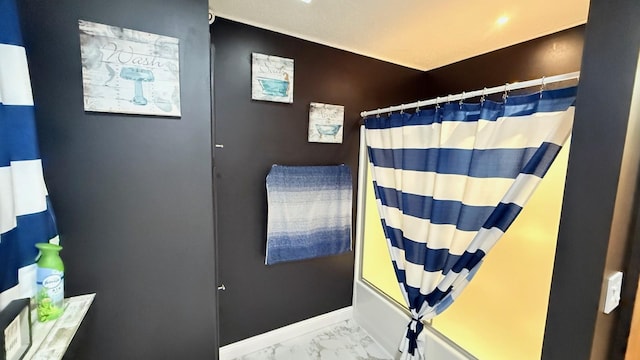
(326, 123)
(271, 78)
(15, 330)
(128, 71)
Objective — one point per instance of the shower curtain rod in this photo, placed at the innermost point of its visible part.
(486, 91)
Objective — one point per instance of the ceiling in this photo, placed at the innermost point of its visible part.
(421, 34)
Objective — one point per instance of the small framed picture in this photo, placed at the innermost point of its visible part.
(271, 78)
(15, 326)
(326, 123)
(129, 71)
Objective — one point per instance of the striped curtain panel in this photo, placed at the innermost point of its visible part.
(25, 212)
(449, 182)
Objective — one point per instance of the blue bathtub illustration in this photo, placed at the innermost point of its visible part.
(328, 130)
(274, 87)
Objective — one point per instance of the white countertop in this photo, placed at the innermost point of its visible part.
(51, 339)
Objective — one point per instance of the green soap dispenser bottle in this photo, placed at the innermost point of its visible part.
(50, 281)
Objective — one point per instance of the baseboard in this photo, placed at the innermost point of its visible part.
(247, 346)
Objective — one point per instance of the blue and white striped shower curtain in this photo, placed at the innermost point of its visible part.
(450, 181)
(25, 211)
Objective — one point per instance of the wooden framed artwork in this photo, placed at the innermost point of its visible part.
(326, 123)
(271, 78)
(15, 326)
(128, 71)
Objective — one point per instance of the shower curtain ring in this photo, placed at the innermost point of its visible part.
(378, 114)
(401, 109)
(483, 95)
(461, 100)
(505, 95)
(542, 86)
(437, 102)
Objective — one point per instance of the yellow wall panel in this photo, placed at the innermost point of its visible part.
(376, 261)
(502, 313)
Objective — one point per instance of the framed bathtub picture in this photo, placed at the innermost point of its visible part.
(129, 71)
(326, 123)
(271, 78)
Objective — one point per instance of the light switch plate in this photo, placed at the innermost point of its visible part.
(614, 288)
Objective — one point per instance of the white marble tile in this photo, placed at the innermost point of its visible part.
(342, 341)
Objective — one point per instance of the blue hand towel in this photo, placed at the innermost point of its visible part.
(309, 212)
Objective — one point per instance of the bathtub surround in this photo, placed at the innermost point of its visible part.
(554, 54)
(409, 159)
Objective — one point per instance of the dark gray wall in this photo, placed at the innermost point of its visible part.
(621, 336)
(609, 65)
(132, 194)
(553, 54)
(257, 134)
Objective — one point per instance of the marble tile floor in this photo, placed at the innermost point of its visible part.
(342, 341)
